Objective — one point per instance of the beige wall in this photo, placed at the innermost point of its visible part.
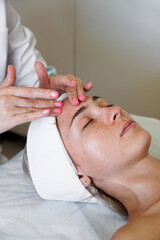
(118, 46)
(114, 43)
(52, 22)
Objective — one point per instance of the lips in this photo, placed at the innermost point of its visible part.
(127, 126)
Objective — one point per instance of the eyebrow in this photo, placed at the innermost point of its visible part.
(82, 109)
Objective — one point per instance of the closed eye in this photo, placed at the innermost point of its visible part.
(87, 123)
(110, 105)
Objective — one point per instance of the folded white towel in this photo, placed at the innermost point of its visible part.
(53, 172)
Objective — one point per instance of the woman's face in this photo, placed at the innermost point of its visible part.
(101, 139)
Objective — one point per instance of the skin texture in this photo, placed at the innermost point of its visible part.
(120, 165)
(23, 104)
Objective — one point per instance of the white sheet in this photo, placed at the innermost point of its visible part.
(23, 215)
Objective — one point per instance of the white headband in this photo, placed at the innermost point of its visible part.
(53, 172)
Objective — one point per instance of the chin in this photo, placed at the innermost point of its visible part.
(143, 142)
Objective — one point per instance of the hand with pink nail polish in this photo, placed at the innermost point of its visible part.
(73, 86)
(19, 105)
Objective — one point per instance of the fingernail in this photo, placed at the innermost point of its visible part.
(75, 82)
(90, 83)
(82, 97)
(9, 68)
(58, 104)
(46, 111)
(54, 94)
(57, 111)
(75, 100)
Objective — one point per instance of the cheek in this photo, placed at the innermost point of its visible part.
(100, 145)
(98, 151)
(139, 144)
(110, 154)
(133, 148)
(89, 151)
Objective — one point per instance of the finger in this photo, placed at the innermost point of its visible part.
(44, 111)
(10, 78)
(29, 116)
(42, 75)
(62, 81)
(72, 95)
(35, 103)
(23, 115)
(80, 91)
(55, 112)
(28, 92)
(88, 86)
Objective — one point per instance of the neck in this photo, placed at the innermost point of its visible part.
(138, 189)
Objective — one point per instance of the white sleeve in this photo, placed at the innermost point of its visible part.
(21, 50)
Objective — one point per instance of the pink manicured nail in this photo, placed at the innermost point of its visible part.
(58, 104)
(46, 111)
(54, 94)
(8, 68)
(75, 100)
(90, 83)
(82, 97)
(57, 111)
(75, 82)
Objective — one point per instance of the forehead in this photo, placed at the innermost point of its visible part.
(68, 109)
(67, 105)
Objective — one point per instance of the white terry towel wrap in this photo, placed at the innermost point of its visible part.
(52, 171)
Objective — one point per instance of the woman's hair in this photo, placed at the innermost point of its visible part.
(113, 202)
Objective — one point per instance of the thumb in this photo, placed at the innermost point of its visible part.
(10, 78)
(42, 75)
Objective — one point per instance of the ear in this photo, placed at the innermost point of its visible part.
(85, 180)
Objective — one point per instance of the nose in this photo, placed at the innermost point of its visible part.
(113, 114)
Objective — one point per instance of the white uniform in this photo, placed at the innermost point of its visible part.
(17, 47)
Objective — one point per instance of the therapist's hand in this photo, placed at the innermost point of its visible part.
(23, 104)
(73, 86)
